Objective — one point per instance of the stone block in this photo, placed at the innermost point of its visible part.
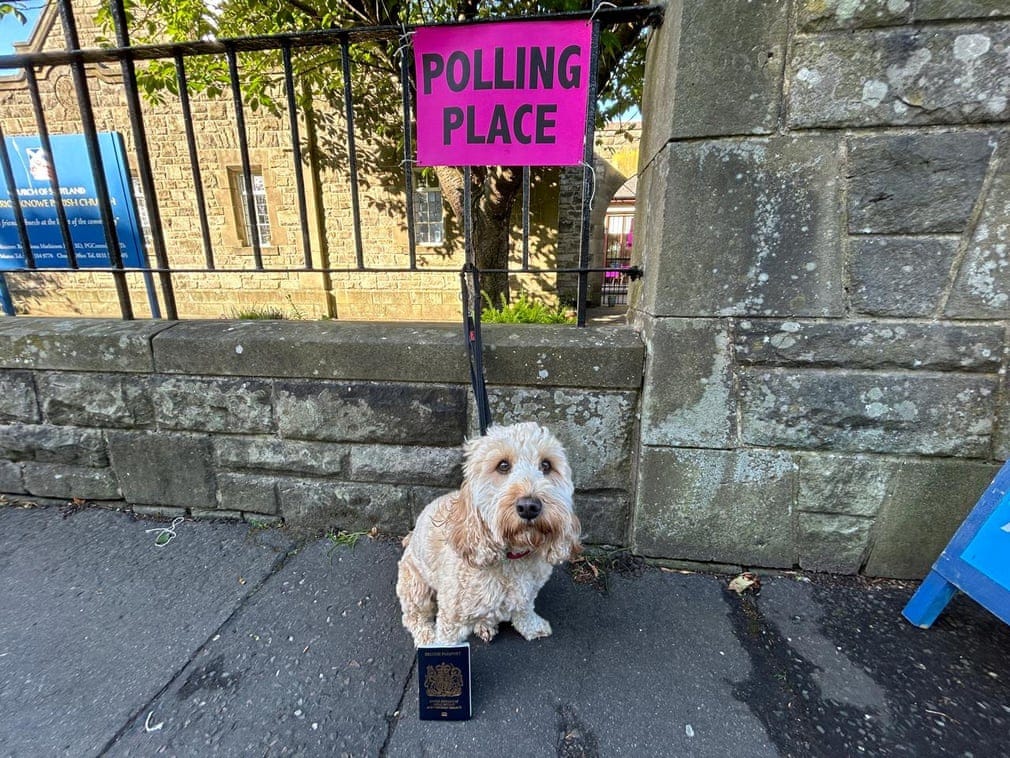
(848, 485)
(59, 480)
(160, 512)
(872, 412)
(899, 276)
(726, 506)
(215, 515)
(596, 428)
(281, 456)
(53, 444)
(721, 71)
(432, 466)
(420, 496)
(832, 542)
(78, 344)
(937, 75)
(321, 349)
(213, 405)
(915, 183)
(247, 492)
(608, 357)
(524, 353)
(1001, 435)
(926, 503)
(662, 57)
(688, 398)
(104, 400)
(939, 10)
(370, 412)
(164, 468)
(649, 225)
(982, 287)
(749, 227)
(10, 478)
(829, 15)
(17, 397)
(262, 521)
(318, 505)
(604, 515)
(870, 345)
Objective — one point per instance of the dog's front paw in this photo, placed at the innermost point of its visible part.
(531, 626)
(423, 635)
(486, 629)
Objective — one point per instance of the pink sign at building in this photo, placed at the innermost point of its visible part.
(512, 93)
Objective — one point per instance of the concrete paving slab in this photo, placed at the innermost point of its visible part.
(235, 642)
(644, 669)
(95, 620)
(838, 671)
(315, 664)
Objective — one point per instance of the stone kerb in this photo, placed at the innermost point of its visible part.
(324, 425)
(825, 297)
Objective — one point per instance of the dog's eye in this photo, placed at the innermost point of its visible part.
(546, 466)
(503, 467)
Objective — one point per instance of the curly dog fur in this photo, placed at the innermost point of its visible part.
(479, 556)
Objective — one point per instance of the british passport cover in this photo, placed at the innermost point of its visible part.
(443, 682)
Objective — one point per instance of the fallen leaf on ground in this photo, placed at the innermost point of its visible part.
(745, 582)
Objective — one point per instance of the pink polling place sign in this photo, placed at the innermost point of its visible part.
(511, 93)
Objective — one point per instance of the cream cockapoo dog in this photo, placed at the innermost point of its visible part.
(482, 553)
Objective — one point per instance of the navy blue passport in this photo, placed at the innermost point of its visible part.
(443, 676)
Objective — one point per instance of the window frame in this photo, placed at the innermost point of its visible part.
(424, 224)
(243, 228)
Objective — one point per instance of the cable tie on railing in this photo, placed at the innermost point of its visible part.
(592, 190)
(405, 41)
(597, 10)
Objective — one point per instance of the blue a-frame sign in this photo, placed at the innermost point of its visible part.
(976, 562)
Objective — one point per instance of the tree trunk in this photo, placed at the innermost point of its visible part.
(493, 194)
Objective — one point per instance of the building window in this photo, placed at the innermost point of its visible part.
(240, 198)
(429, 221)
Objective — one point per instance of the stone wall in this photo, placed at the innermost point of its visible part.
(824, 216)
(326, 425)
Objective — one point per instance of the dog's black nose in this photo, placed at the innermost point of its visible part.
(529, 507)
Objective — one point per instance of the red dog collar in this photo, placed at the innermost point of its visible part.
(516, 556)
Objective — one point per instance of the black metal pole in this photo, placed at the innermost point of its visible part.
(243, 144)
(54, 179)
(12, 191)
(144, 166)
(588, 181)
(194, 159)
(296, 153)
(352, 154)
(408, 150)
(526, 218)
(95, 155)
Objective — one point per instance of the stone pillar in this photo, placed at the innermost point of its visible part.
(796, 189)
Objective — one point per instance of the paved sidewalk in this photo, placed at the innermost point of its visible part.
(237, 641)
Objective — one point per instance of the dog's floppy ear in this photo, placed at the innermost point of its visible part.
(468, 535)
(567, 546)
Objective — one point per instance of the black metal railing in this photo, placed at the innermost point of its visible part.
(126, 56)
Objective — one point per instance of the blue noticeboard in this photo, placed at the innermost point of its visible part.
(33, 169)
(976, 562)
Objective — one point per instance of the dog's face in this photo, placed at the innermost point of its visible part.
(517, 481)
